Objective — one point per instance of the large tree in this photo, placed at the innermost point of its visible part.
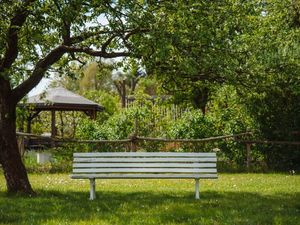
(201, 44)
(38, 36)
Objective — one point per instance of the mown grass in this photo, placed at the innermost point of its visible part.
(232, 199)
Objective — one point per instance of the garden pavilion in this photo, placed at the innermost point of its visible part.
(59, 99)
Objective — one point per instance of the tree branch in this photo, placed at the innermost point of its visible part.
(42, 65)
(91, 52)
(73, 57)
(38, 73)
(108, 41)
(89, 34)
(66, 31)
(86, 35)
(16, 24)
(136, 31)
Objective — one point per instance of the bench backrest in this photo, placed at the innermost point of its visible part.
(144, 165)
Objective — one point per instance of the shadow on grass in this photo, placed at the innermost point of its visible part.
(150, 208)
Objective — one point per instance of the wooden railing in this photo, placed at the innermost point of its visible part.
(133, 141)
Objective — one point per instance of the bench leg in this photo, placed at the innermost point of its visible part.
(197, 196)
(92, 189)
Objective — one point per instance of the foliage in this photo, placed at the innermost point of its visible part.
(57, 165)
(249, 45)
(278, 121)
(230, 116)
(21, 114)
(108, 100)
(272, 94)
(96, 76)
(119, 126)
(192, 125)
(162, 119)
(199, 44)
(229, 113)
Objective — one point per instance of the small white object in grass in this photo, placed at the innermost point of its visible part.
(292, 172)
(216, 150)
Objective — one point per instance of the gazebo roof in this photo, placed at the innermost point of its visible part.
(62, 99)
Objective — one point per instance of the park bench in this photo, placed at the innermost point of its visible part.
(144, 165)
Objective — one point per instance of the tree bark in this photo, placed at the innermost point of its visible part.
(200, 98)
(10, 158)
(121, 88)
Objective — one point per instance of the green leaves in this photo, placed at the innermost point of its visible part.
(85, 27)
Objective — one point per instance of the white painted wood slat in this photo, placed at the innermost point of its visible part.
(145, 176)
(144, 170)
(144, 154)
(211, 159)
(144, 165)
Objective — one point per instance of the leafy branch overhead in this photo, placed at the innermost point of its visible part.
(41, 33)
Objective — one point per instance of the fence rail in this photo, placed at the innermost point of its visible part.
(132, 138)
(133, 141)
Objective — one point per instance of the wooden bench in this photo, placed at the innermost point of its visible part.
(144, 165)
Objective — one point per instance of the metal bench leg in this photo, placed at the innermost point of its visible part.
(92, 189)
(197, 196)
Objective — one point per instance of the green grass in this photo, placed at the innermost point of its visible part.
(232, 199)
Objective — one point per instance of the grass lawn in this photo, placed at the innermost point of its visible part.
(232, 199)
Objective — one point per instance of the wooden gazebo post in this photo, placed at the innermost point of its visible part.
(53, 127)
(30, 118)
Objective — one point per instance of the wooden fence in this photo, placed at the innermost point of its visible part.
(132, 141)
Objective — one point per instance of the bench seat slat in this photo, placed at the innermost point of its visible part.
(144, 165)
(144, 176)
(144, 154)
(211, 159)
(143, 170)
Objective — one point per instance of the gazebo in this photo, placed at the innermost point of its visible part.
(59, 99)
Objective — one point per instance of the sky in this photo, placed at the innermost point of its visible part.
(40, 87)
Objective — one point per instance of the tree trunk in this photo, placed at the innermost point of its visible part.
(200, 98)
(10, 158)
(123, 96)
(121, 88)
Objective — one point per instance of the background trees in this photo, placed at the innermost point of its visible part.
(200, 44)
(274, 97)
(252, 46)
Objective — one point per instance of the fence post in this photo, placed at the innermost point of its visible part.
(133, 141)
(248, 152)
(134, 136)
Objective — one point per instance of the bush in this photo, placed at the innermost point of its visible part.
(278, 121)
(192, 125)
